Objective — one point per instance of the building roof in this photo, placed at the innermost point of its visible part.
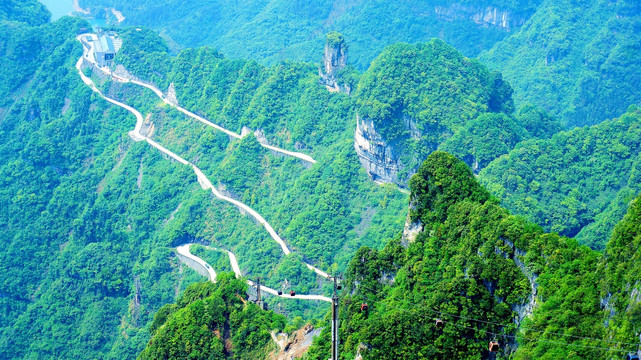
(105, 44)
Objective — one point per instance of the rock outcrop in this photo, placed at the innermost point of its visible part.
(525, 308)
(295, 345)
(171, 94)
(380, 159)
(334, 60)
(410, 231)
(489, 16)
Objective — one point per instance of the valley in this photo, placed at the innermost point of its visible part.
(204, 182)
(459, 179)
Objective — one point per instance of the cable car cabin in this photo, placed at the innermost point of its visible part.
(364, 307)
(439, 324)
(632, 357)
(280, 293)
(494, 346)
(292, 293)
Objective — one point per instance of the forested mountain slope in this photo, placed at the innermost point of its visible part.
(76, 227)
(89, 218)
(92, 217)
(484, 274)
(417, 98)
(578, 59)
(487, 275)
(273, 30)
(577, 183)
(30, 12)
(621, 285)
(212, 321)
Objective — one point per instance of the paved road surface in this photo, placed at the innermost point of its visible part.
(202, 180)
(184, 250)
(90, 57)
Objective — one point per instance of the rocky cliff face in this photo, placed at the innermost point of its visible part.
(525, 308)
(334, 60)
(489, 16)
(380, 159)
(410, 231)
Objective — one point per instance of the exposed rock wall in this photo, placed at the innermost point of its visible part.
(295, 345)
(379, 158)
(411, 230)
(489, 16)
(527, 307)
(334, 60)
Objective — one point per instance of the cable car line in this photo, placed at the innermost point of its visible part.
(516, 337)
(502, 325)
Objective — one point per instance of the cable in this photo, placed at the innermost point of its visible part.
(520, 328)
(516, 337)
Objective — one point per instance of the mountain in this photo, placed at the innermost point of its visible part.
(212, 321)
(475, 274)
(275, 30)
(578, 59)
(69, 222)
(103, 174)
(620, 285)
(92, 218)
(30, 12)
(413, 98)
(577, 183)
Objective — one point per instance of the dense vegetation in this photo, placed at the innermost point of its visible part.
(491, 135)
(31, 12)
(427, 96)
(620, 286)
(89, 218)
(476, 267)
(577, 183)
(212, 321)
(432, 83)
(274, 30)
(78, 230)
(579, 59)
(486, 274)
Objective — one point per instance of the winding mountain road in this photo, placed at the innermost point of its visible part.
(184, 250)
(159, 93)
(205, 183)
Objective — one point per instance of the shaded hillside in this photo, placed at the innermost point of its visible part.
(577, 183)
(578, 59)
